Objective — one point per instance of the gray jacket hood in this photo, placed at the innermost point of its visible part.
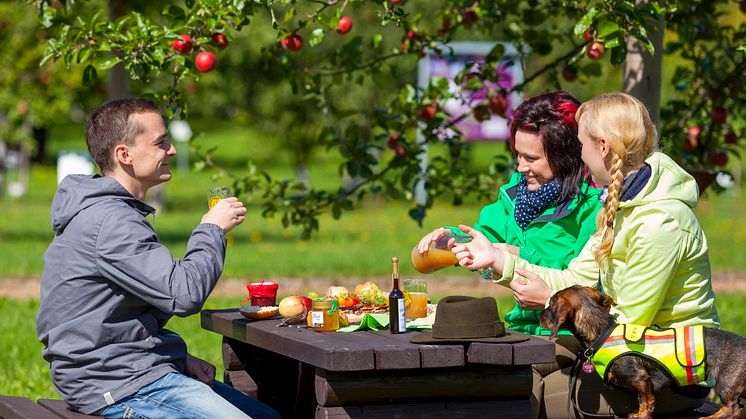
(78, 192)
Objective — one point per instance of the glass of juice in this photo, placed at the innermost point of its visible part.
(417, 289)
(438, 256)
(216, 194)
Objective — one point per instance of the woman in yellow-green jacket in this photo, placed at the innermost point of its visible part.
(649, 253)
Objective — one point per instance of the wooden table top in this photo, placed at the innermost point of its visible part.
(358, 351)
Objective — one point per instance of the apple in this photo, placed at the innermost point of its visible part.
(596, 50)
(588, 36)
(345, 25)
(569, 73)
(470, 16)
(498, 104)
(335, 291)
(220, 40)
(719, 157)
(481, 113)
(427, 113)
(184, 45)
(294, 305)
(693, 132)
(690, 144)
(730, 137)
(393, 143)
(292, 42)
(719, 116)
(395, 2)
(205, 61)
(412, 35)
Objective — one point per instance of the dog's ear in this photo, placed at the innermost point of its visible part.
(605, 301)
(560, 308)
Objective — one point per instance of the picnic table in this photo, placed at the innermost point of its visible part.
(302, 373)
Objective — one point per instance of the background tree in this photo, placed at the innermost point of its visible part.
(352, 90)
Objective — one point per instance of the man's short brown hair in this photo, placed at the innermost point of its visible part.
(110, 125)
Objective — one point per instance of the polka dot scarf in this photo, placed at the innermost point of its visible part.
(529, 205)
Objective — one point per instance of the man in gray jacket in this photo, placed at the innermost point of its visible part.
(109, 286)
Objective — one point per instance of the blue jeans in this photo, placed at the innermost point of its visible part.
(178, 396)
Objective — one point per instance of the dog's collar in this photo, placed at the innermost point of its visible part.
(599, 342)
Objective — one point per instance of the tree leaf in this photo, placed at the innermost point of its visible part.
(619, 54)
(89, 75)
(606, 27)
(586, 21)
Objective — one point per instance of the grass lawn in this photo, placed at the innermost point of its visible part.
(359, 245)
(26, 374)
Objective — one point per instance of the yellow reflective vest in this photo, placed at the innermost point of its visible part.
(680, 350)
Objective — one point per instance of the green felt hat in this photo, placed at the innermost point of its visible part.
(462, 319)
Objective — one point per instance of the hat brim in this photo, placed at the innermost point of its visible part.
(509, 337)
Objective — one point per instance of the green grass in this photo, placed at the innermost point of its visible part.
(359, 245)
(25, 373)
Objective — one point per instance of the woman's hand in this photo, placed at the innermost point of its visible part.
(531, 291)
(200, 370)
(477, 254)
(429, 238)
(227, 213)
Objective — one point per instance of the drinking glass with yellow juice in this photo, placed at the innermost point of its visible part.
(216, 194)
(417, 290)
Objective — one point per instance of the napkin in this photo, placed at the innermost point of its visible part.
(380, 321)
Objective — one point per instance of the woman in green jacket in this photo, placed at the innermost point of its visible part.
(649, 253)
(546, 212)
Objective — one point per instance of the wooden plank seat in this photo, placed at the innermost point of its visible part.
(14, 407)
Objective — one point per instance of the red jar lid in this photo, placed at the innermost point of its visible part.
(262, 289)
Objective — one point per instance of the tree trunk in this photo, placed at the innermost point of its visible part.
(642, 71)
(118, 81)
(40, 134)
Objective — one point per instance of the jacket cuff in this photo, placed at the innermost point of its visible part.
(508, 269)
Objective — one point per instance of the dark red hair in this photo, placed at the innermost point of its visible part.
(552, 116)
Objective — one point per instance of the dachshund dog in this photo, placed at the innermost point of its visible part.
(585, 312)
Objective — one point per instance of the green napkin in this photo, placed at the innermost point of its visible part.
(381, 322)
(369, 322)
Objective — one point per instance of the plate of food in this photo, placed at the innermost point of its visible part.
(367, 298)
(259, 312)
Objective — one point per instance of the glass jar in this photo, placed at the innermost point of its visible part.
(324, 316)
(263, 293)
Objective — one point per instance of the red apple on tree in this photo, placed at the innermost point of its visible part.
(427, 113)
(719, 116)
(569, 73)
(344, 25)
(184, 45)
(395, 2)
(498, 104)
(292, 42)
(719, 157)
(393, 143)
(730, 137)
(690, 144)
(596, 50)
(588, 36)
(693, 132)
(220, 40)
(470, 16)
(205, 61)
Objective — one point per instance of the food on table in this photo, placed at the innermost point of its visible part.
(259, 312)
(334, 291)
(293, 320)
(294, 305)
(324, 316)
(366, 288)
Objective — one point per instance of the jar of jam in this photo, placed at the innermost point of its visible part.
(262, 293)
(324, 316)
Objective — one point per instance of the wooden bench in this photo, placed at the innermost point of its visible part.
(13, 407)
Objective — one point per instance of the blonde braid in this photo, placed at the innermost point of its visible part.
(607, 215)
